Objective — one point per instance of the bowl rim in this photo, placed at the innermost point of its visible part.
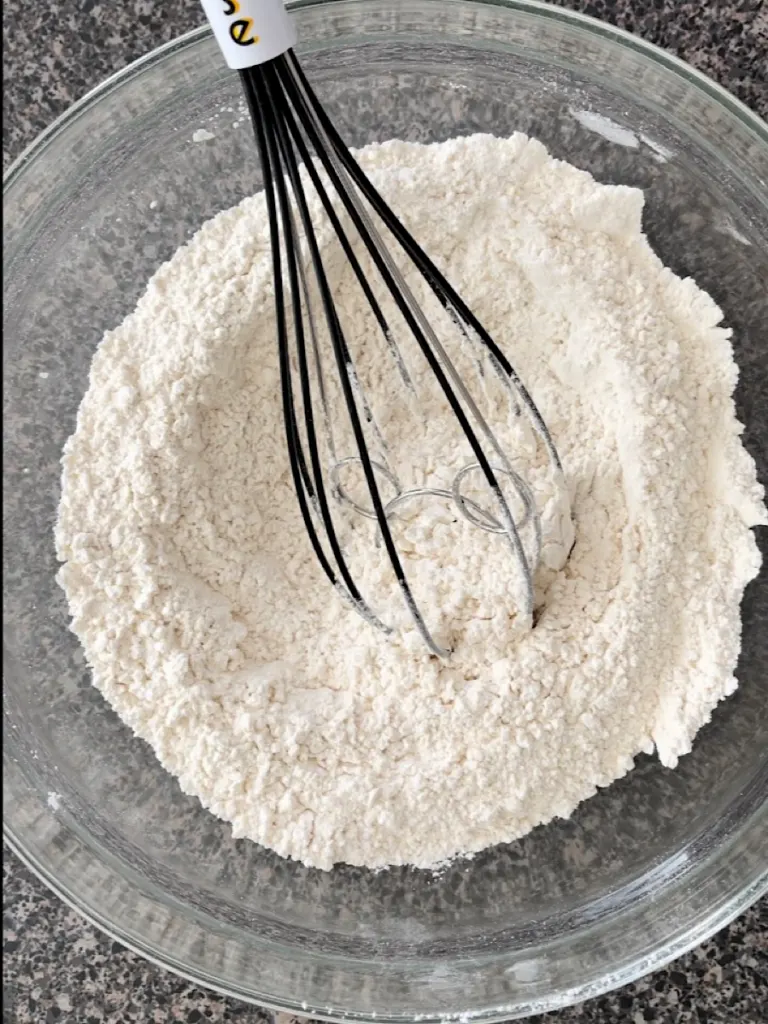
(729, 905)
(608, 982)
(750, 119)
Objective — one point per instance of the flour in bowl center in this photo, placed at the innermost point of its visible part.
(211, 630)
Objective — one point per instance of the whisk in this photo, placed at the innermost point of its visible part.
(257, 38)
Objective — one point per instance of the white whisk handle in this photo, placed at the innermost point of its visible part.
(250, 31)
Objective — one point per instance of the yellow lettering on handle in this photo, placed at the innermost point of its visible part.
(241, 32)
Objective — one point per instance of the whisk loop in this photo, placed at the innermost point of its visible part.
(290, 124)
(465, 506)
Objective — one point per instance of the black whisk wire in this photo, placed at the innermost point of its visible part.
(327, 143)
(279, 160)
(290, 124)
(309, 486)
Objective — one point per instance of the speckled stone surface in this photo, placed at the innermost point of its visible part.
(57, 968)
(56, 52)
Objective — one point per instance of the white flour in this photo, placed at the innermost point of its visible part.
(212, 632)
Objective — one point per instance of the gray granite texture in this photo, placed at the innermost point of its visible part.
(57, 968)
(56, 51)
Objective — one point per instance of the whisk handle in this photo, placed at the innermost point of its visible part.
(250, 32)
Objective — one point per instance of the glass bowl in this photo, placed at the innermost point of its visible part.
(644, 870)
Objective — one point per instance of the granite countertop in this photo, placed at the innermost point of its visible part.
(55, 966)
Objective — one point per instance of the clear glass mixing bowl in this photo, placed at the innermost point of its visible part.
(644, 870)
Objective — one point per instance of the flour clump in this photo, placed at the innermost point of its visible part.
(210, 629)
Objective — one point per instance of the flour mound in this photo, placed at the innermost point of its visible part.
(210, 629)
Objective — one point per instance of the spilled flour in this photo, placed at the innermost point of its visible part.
(213, 633)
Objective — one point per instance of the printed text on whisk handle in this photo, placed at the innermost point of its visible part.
(250, 32)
